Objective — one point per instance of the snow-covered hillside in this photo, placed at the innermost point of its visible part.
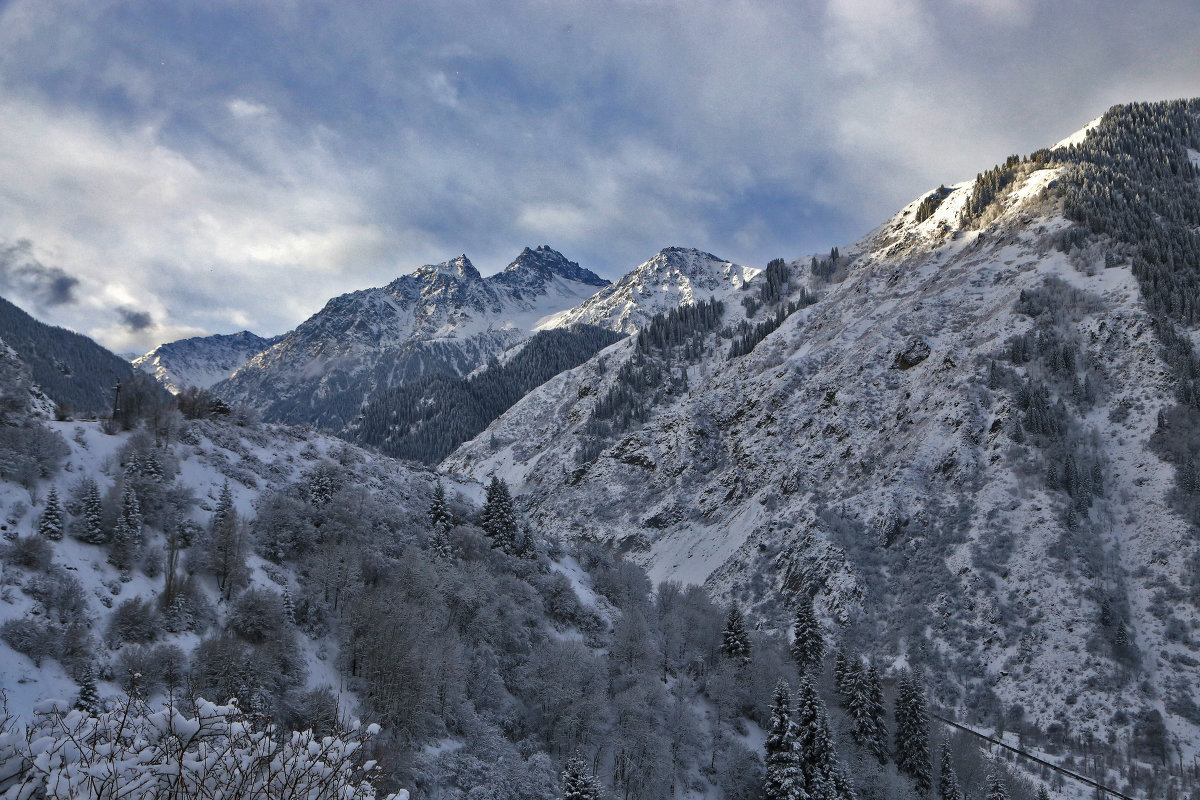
(208, 456)
(441, 319)
(202, 360)
(874, 450)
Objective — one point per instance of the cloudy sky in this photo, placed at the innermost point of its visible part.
(176, 168)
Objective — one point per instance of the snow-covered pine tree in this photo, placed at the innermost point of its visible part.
(88, 700)
(1043, 793)
(289, 606)
(948, 788)
(784, 781)
(735, 642)
(226, 551)
(841, 662)
(51, 523)
(878, 745)
(93, 515)
(808, 642)
(499, 516)
(525, 545)
(864, 705)
(824, 778)
(178, 618)
(996, 788)
(912, 733)
(127, 535)
(439, 514)
(578, 783)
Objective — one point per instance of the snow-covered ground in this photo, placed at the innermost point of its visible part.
(271, 455)
(743, 481)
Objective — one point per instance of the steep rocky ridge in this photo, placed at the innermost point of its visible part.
(441, 319)
(200, 361)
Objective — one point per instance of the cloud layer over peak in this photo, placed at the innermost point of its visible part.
(192, 161)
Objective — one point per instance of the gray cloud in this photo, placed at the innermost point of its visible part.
(133, 320)
(22, 274)
(400, 134)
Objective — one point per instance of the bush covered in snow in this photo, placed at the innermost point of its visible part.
(161, 753)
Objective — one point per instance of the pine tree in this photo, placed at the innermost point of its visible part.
(439, 514)
(578, 783)
(735, 641)
(864, 706)
(226, 550)
(127, 535)
(784, 780)
(289, 606)
(808, 642)
(996, 788)
(88, 700)
(841, 663)
(442, 522)
(93, 515)
(1043, 793)
(912, 733)
(823, 775)
(499, 516)
(878, 739)
(948, 788)
(51, 523)
(178, 618)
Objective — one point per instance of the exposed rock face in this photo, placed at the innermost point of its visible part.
(916, 351)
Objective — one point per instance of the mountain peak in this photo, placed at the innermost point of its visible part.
(460, 269)
(533, 268)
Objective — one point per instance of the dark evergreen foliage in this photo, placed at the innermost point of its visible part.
(578, 783)
(72, 369)
(51, 523)
(88, 700)
(931, 202)
(499, 519)
(784, 781)
(912, 733)
(808, 640)
(823, 776)
(425, 419)
(656, 368)
(735, 642)
(988, 185)
(948, 788)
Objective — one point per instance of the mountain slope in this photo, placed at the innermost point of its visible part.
(441, 319)
(69, 367)
(673, 277)
(200, 361)
(958, 449)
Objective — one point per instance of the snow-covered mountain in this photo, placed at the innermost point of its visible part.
(441, 319)
(200, 361)
(674, 277)
(963, 449)
(78, 373)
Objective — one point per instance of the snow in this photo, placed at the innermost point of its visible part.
(673, 277)
(1194, 157)
(1078, 136)
(582, 585)
(202, 467)
(200, 361)
(888, 438)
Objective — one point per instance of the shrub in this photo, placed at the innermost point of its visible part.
(135, 620)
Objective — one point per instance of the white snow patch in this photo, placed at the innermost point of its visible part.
(1078, 136)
